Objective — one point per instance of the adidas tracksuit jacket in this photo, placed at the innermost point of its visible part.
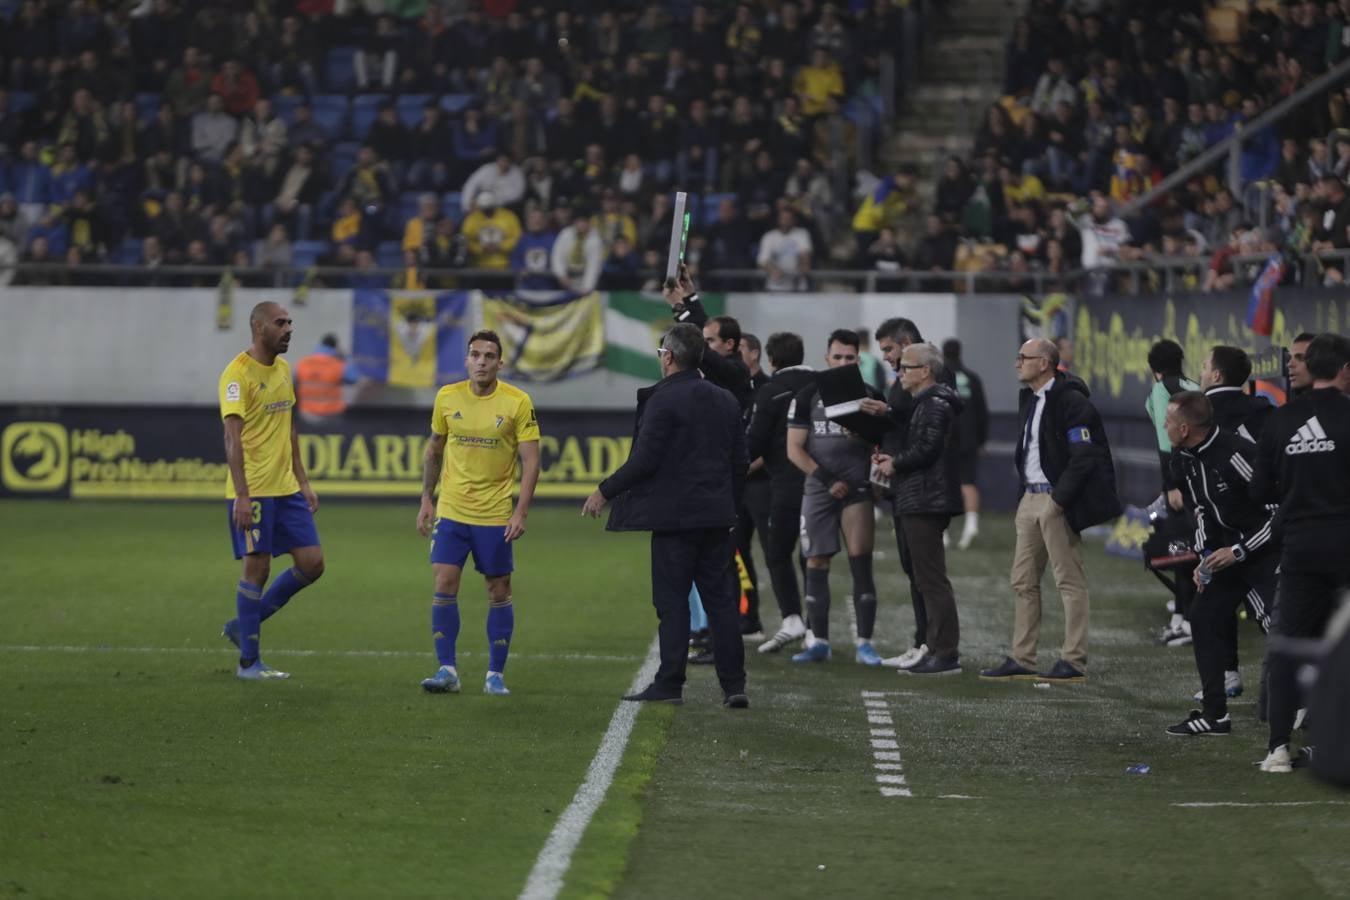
(1303, 463)
(1216, 477)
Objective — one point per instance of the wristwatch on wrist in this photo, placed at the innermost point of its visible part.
(1238, 552)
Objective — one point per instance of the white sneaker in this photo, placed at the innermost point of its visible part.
(907, 660)
(791, 631)
(1232, 686)
(1277, 761)
(966, 537)
(1176, 635)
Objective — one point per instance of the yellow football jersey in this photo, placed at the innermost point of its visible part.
(483, 435)
(263, 396)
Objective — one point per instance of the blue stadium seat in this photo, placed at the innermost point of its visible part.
(327, 204)
(339, 72)
(284, 106)
(147, 104)
(365, 107)
(389, 255)
(128, 254)
(708, 213)
(407, 206)
(454, 104)
(451, 206)
(410, 108)
(330, 114)
(20, 101)
(306, 253)
(342, 158)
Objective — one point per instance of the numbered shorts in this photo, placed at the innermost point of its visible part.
(452, 542)
(821, 516)
(280, 524)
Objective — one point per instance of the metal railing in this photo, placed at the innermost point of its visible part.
(1155, 274)
(1231, 147)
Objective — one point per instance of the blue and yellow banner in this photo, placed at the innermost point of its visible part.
(553, 338)
(409, 338)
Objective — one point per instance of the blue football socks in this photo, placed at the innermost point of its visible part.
(445, 627)
(284, 587)
(501, 621)
(248, 607)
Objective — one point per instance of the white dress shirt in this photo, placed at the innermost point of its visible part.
(1032, 463)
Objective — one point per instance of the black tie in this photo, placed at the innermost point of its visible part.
(1026, 432)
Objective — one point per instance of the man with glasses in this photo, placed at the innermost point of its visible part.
(927, 486)
(682, 481)
(1068, 484)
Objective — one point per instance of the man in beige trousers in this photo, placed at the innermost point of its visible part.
(1068, 484)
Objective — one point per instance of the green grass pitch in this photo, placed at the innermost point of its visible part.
(133, 764)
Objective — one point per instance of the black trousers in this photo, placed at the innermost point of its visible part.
(915, 594)
(1213, 618)
(923, 537)
(703, 557)
(753, 515)
(781, 540)
(1310, 590)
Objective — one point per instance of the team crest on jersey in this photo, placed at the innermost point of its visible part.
(456, 416)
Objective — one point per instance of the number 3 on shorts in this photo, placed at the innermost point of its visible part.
(257, 511)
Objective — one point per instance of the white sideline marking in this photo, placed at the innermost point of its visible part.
(546, 878)
(956, 797)
(885, 748)
(1270, 803)
(272, 651)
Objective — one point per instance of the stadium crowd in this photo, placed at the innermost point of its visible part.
(1103, 99)
(537, 140)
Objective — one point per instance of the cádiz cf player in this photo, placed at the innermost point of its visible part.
(478, 427)
(271, 505)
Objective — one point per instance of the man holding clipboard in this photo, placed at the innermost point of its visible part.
(838, 493)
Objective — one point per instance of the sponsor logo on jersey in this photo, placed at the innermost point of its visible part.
(1311, 438)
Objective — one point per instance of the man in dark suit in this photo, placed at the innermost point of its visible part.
(1067, 484)
(682, 482)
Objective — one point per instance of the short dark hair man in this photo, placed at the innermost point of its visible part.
(682, 481)
(1222, 377)
(1303, 463)
(1300, 382)
(1233, 533)
(767, 440)
(837, 499)
(1068, 484)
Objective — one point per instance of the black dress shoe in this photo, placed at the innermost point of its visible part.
(701, 658)
(652, 694)
(736, 701)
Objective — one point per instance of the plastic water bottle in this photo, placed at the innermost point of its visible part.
(1202, 572)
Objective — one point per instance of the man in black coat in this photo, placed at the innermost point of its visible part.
(682, 482)
(767, 440)
(893, 336)
(926, 484)
(1068, 483)
(1214, 467)
(1222, 378)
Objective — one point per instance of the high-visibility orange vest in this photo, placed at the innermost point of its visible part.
(320, 377)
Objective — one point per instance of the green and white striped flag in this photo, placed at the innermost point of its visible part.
(634, 323)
